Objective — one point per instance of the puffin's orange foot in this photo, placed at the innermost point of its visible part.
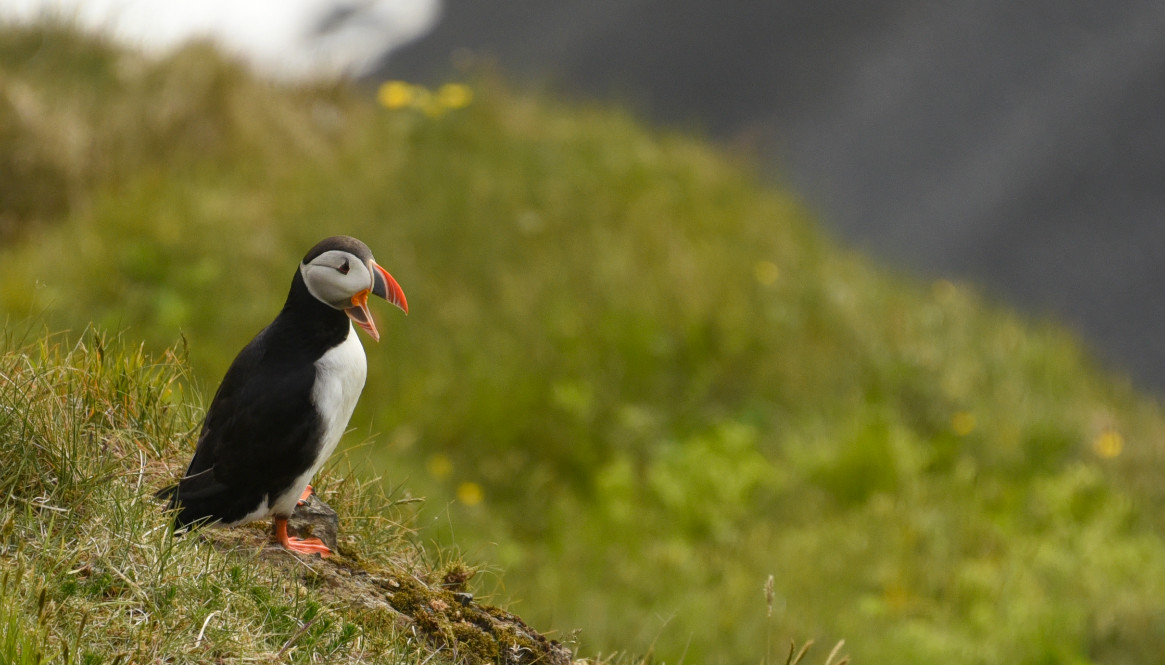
(299, 545)
(307, 546)
(307, 492)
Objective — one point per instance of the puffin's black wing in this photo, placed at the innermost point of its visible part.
(260, 433)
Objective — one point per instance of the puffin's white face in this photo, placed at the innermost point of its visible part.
(341, 280)
(335, 276)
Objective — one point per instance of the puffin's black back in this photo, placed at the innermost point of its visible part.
(262, 430)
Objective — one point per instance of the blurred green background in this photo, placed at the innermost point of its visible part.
(635, 379)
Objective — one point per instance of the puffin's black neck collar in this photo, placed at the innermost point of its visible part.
(316, 323)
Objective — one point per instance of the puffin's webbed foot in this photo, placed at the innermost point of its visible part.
(299, 545)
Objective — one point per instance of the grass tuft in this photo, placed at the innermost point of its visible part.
(92, 572)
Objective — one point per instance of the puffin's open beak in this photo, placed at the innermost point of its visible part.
(384, 286)
(360, 314)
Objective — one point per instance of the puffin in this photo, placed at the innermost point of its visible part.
(286, 398)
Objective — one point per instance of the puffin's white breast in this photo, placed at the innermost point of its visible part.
(340, 375)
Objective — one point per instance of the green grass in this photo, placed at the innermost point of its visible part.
(92, 572)
(635, 380)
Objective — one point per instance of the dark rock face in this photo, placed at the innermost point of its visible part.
(1019, 145)
(315, 519)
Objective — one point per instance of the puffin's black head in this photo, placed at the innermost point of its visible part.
(340, 272)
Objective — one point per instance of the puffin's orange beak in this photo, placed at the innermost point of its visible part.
(384, 286)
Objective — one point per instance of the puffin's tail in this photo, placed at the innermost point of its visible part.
(199, 498)
(169, 494)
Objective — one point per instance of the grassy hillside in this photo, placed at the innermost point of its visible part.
(91, 572)
(634, 381)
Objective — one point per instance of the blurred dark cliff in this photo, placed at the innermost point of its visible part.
(1018, 145)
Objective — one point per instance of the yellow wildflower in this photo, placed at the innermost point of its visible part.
(396, 94)
(766, 272)
(470, 493)
(1108, 444)
(454, 95)
(963, 423)
(440, 466)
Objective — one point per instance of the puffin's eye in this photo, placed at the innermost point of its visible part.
(343, 267)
